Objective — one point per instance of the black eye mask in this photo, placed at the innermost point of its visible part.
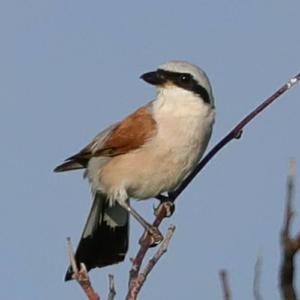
(185, 81)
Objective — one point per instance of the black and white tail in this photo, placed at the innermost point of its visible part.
(104, 240)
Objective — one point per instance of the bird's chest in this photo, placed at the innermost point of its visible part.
(170, 156)
(182, 139)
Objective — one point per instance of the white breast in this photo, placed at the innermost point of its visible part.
(184, 127)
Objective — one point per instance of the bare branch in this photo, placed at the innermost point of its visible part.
(289, 246)
(81, 276)
(225, 285)
(289, 199)
(161, 251)
(256, 281)
(71, 255)
(111, 287)
(137, 282)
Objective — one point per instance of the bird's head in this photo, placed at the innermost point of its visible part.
(181, 77)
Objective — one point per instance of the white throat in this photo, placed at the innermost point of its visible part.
(180, 102)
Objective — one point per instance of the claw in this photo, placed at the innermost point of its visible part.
(81, 274)
(168, 206)
(152, 237)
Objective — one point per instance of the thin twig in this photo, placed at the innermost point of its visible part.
(256, 280)
(71, 255)
(111, 287)
(137, 283)
(235, 133)
(225, 285)
(161, 251)
(81, 276)
(289, 245)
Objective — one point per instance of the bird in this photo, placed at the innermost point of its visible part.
(148, 153)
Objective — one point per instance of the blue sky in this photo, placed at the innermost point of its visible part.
(70, 68)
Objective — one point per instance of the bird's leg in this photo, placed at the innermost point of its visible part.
(155, 235)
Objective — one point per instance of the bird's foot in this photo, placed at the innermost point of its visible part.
(151, 237)
(81, 275)
(168, 206)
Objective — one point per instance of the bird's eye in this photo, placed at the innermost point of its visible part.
(185, 78)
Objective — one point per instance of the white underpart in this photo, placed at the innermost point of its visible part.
(184, 125)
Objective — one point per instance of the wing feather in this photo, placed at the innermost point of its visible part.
(117, 139)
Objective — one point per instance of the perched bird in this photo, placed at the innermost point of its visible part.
(149, 152)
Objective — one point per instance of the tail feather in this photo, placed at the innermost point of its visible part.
(104, 240)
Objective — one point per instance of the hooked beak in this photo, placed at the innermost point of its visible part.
(153, 78)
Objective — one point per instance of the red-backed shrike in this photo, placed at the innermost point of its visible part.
(150, 152)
